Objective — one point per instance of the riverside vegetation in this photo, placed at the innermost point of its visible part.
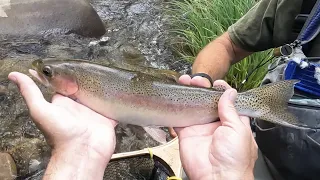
(196, 23)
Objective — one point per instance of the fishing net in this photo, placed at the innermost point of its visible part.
(140, 167)
(143, 163)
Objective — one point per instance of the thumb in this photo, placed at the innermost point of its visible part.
(227, 112)
(29, 91)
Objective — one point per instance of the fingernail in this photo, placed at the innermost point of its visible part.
(208, 84)
(13, 78)
(232, 95)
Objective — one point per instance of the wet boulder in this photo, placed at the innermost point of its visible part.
(37, 17)
(8, 168)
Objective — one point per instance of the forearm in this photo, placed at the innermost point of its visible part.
(216, 58)
(77, 162)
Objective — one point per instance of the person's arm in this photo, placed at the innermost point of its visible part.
(75, 163)
(216, 58)
(252, 33)
(82, 141)
(225, 149)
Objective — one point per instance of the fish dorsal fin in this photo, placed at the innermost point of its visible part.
(219, 88)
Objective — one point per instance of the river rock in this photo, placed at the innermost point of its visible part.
(8, 170)
(34, 17)
(30, 154)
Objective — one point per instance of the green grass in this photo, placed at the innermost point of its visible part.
(194, 23)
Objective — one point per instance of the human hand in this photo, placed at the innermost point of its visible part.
(196, 81)
(225, 149)
(75, 132)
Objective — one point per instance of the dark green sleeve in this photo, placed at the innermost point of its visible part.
(266, 25)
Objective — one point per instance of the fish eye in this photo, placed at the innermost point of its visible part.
(47, 71)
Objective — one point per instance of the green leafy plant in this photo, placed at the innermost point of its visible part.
(194, 23)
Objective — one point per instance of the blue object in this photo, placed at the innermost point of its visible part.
(312, 26)
(308, 83)
(306, 76)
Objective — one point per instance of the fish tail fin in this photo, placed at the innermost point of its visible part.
(270, 103)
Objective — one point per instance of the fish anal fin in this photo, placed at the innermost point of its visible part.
(157, 134)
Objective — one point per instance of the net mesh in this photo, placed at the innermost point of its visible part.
(140, 167)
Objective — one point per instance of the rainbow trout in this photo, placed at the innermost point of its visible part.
(138, 98)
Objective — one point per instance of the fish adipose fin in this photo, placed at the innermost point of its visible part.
(270, 103)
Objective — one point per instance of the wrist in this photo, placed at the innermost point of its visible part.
(221, 175)
(76, 161)
(233, 175)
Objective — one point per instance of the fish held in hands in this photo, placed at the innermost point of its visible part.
(142, 99)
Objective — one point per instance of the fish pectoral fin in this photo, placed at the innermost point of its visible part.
(157, 134)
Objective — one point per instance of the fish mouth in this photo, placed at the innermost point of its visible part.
(36, 72)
